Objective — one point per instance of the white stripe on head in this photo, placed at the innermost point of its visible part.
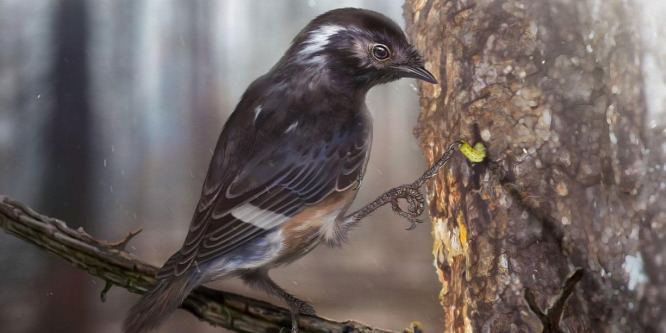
(318, 39)
(260, 218)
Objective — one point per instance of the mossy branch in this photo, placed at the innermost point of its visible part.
(111, 263)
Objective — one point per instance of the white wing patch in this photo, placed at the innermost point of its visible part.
(291, 127)
(260, 218)
(257, 110)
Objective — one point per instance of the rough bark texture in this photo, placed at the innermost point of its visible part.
(109, 262)
(554, 90)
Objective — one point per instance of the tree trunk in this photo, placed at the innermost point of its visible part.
(575, 180)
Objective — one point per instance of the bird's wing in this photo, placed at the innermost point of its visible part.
(275, 184)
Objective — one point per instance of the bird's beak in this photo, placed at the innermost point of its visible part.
(416, 72)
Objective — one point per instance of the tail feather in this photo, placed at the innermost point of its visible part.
(158, 303)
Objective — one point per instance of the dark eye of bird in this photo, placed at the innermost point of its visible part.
(380, 52)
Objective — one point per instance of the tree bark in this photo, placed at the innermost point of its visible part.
(574, 179)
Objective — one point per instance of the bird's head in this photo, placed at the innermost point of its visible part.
(355, 47)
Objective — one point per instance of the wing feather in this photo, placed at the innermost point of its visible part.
(277, 181)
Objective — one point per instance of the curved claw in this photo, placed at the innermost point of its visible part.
(414, 198)
(417, 208)
(416, 204)
(414, 223)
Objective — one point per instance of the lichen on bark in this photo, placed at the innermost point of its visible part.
(554, 89)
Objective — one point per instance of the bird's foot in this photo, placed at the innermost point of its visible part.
(410, 192)
(303, 308)
(414, 199)
(294, 322)
(298, 307)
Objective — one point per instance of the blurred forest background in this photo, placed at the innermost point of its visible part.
(109, 111)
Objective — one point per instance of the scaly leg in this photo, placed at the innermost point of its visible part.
(410, 192)
(261, 280)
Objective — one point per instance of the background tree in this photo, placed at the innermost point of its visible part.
(556, 90)
(68, 144)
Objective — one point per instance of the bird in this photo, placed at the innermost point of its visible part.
(288, 162)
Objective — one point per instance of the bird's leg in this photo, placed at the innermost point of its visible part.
(410, 192)
(261, 280)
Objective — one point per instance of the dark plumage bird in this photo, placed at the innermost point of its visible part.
(288, 162)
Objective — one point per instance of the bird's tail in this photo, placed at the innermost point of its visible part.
(157, 304)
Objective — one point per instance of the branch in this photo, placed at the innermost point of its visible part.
(111, 263)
